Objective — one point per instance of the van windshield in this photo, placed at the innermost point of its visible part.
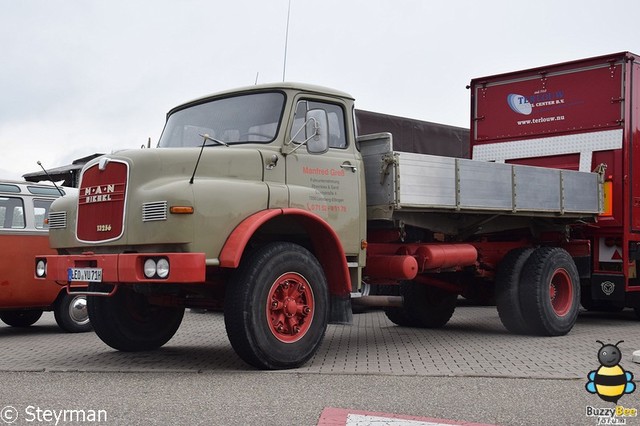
(238, 119)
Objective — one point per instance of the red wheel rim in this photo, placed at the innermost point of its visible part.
(561, 292)
(290, 306)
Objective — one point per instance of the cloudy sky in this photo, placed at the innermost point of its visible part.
(79, 77)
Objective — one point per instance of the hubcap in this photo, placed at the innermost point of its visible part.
(78, 310)
(290, 307)
(561, 292)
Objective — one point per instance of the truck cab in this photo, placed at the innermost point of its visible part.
(270, 167)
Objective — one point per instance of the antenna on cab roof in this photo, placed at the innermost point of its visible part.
(286, 42)
(50, 178)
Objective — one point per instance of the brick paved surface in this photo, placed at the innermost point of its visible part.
(473, 344)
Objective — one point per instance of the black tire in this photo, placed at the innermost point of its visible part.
(22, 318)
(550, 292)
(70, 312)
(262, 334)
(400, 316)
(423, 306)
(127, 322)
(508, 290)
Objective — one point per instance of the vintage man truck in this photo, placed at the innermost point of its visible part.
(265, 202)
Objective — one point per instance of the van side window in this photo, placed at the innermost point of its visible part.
(41, 212)
(12, 213)
(335, 114)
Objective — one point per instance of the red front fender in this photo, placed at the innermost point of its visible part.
(326, 245)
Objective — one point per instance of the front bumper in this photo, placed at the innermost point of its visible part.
(126, 267)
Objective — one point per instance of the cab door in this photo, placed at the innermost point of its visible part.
(327, 184)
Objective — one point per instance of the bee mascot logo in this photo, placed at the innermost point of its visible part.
(610, 381)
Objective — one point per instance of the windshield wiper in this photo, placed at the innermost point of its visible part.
(205, 138)
(209, 138)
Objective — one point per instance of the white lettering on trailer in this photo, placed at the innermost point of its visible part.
(584, 144)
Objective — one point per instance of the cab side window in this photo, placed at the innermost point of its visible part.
(335, 115)
(12, 213)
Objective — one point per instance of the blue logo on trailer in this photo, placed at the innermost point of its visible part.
(519, 104)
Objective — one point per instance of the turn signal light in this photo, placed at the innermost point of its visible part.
(181, 210)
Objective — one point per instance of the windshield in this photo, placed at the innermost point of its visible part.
(238, 119)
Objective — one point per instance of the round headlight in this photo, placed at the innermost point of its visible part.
(149, 268)
(163, 268)
(41, 268)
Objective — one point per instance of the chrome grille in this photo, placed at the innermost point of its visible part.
(57, 220)
(153, 211)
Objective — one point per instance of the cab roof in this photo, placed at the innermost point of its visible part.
(285, 86)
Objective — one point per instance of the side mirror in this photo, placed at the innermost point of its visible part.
(317, 131)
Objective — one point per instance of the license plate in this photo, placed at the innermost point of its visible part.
(92, 275)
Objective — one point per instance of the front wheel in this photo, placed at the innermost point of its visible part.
(23, 318)
(127, 322)
(276, 307)
(71, 313)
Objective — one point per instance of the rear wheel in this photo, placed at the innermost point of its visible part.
(71, 313)
(23, 318)
(276, 307)
(127, 322)
(550, 292)
(422, 306)
(508, 290)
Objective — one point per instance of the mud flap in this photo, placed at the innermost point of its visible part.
(340, 310)
(608, 288)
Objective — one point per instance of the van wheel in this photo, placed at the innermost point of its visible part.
(508, 290)
(423, 306)
(23, 318)
(127, 322)
(550, 292)
(71, 313)
(276, 307)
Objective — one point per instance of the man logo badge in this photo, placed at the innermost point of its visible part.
(608, 287)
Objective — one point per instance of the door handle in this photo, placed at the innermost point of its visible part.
(349, 166)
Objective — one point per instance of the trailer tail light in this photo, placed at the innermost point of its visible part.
(607, 192)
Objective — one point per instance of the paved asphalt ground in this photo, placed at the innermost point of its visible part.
(470, 371)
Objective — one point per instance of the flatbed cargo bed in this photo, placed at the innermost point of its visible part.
(399, 183)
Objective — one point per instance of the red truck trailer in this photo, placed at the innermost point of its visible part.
(576, 115)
